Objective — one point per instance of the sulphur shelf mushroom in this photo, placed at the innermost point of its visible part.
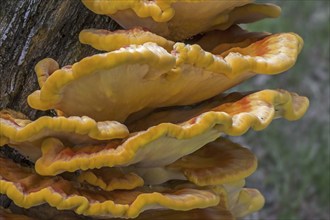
(164, 143)
(26, 136)
(216, 163)
(139, 127)
(49, 140)
(28, 189)
(233, 114)
(161, 78)
(181, 19)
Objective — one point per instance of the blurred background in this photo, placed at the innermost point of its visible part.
(294, 168)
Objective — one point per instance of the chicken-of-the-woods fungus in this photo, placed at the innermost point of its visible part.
(164, 143)
(147, 141)
(26, 136)
(187, 70)
(177, 19)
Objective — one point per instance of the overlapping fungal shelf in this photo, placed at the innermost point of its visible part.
(166, 17)
(186, 70)
(139, 128)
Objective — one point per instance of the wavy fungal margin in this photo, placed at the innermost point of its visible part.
(146, 148)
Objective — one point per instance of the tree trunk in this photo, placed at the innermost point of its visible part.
(35, 29)
(30, 31)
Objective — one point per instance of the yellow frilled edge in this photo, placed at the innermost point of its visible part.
(26, 136)
(112, 178)
(113, 40)
(180, 20)
(215, 42)
(249, 201)
(246, 201)
(164, 143)
(216, 163)
(28, 189)
(160, 78)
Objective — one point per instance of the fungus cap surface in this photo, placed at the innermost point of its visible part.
(113, 40)
(146, 148)
(180, 20)
(160, 78)
(28, 189)
(249, 201)
(112, 179)
(26, 136)
(218, 162)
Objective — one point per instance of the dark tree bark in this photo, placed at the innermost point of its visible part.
(35, 29)
(30, 31)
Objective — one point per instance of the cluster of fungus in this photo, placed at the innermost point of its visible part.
(139, 131)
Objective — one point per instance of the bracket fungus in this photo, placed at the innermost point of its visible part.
(187, 70)
(164, 143)
(174, 19)
(139, 127)
(218, 162)
(26, 136)
(29, 189)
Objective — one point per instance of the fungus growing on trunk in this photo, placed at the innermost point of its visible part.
(164, 143)
(218, 162)
(160, 78)
(27, 136)
(179, 20)
(138, 131)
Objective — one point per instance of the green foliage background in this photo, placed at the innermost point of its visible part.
(294, 157)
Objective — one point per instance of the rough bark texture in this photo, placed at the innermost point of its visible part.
(35, 29)
(31, 30)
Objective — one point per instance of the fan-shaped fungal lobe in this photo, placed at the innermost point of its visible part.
(216, 163)
(160, 78)
(26, 136)
(164, 143)
(178, 20)
(28, 189)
